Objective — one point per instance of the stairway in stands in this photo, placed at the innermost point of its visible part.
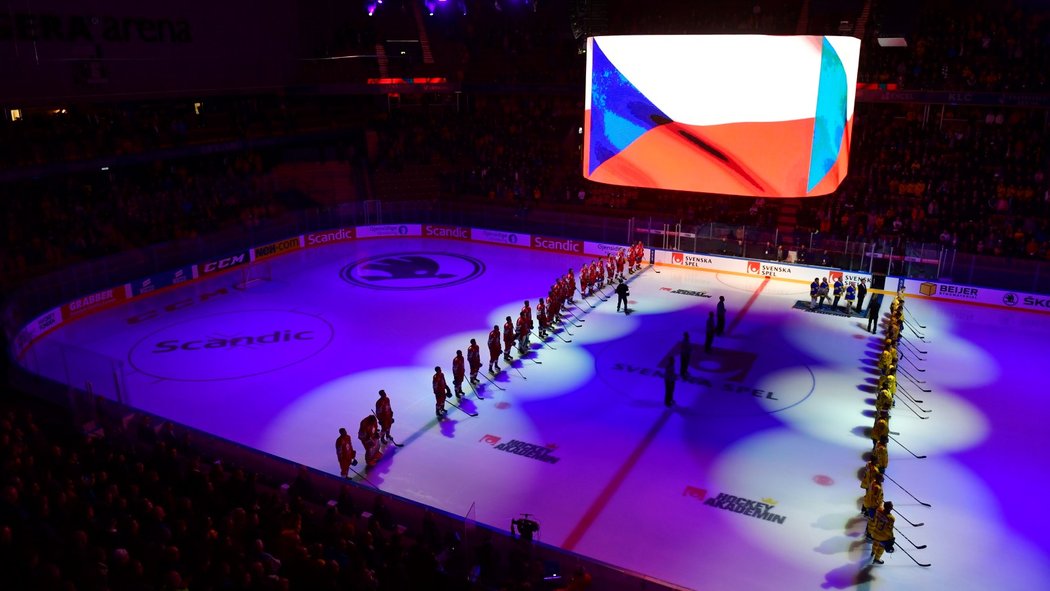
(424, 40)
(382, 61)
(862, 21)
(787, 219)
(803, 19)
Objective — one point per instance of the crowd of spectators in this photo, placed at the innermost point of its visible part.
(973, 181)
(991, 46)
(59, 220)
(140, 508)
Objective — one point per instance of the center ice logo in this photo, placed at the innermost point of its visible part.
(412, 270)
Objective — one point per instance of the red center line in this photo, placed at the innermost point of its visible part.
(616, 481)
(747, 306)
(610, 489)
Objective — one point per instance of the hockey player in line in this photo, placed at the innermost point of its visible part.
(522, 329)
(385, 414)
(344, 452)
(459, 372)
(526, 311)
(474, 361)
(541, 318)
(494, 349)
(880, 531)
(508, 339)
(368, 433)
(441, 391)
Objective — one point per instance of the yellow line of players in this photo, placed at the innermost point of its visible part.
(878, 512)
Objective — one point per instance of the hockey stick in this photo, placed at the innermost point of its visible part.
(908, 520)
(924, 417)
(921, 338)
(391, 437)
(914, 351)
(519, 372)
(475, 391)
(491, 382)
(576, 317)
(910, 397)
(906, 449)
(910, 376)
(922, 564)
(913, 363)
(365, 478)
(454, 405)
(914, 318)
(917, 547)
(563, 339)
(890, 478)
(545, 344)
(927, 390)
(912, 327)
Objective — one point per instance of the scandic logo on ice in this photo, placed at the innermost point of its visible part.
(446, 232)
(555, 244)
(710, 127)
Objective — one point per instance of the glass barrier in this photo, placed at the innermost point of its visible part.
(917, 260)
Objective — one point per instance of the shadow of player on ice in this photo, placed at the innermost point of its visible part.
(848, 575)
(448, 426)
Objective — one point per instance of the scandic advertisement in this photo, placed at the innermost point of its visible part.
(558, 244)
(322, 238)
(456, 232)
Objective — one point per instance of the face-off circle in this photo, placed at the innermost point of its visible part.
(412, 270)
(231, 345)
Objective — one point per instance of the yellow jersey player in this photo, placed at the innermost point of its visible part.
(870, 471)
(881, 455)
(883, 400)
(873, 498)
(880, 529)
(881, 428)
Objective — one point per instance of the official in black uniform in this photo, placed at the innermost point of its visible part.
(622, 291)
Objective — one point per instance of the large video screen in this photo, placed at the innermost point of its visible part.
(754, 115)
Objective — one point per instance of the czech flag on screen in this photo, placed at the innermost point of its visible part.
(755, 115)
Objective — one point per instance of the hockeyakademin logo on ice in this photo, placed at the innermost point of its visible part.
(758, 509)
(412, 270)
(532, 451)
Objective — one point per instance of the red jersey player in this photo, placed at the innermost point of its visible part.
(494, 349)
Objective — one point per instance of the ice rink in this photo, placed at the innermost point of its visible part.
(775, 414)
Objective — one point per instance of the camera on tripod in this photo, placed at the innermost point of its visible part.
(525, 527)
